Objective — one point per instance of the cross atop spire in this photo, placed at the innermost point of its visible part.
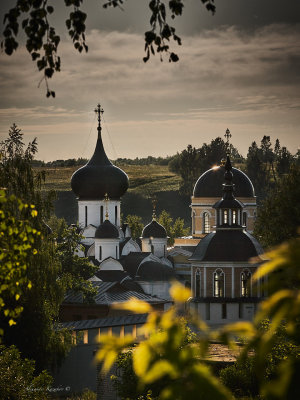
(227, 137)
(106, 199)
(99, 110)
(154, 201)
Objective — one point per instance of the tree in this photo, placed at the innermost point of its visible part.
(18, 240)
(136, 225)
(42, 40)
(279, 216)
(52, 268)
(18, 377)
(173, 229)
(192, 162)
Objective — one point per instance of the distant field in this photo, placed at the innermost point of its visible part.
(143, 179)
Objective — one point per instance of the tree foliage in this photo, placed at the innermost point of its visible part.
(32, 17)
(175, 228)
(136, 225)
(18, 377)
(192, 162)
(279, 215)
(18, 240)
(51, 267)
(265, 165)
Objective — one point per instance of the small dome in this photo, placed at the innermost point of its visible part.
(155, 230)
(210, 183)
(98, 177)
(154, 271)
(107, 230)
(227, 245)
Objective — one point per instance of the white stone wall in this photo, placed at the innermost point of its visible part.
(159, 246)
(94, 212)
(109, 248)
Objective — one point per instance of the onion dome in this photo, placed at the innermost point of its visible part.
(227, 245)
(155, 230)
(107, 230)
(99, 175)
(210, 183)
(154, 271)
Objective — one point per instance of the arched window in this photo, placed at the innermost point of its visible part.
(225, 216)
(246, 283)
(197, 283)
(244, 219)
(219, 283)
(206, 225)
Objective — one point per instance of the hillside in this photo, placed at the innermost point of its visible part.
(144, 181)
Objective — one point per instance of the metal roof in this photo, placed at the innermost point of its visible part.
(132, 319)
(110, 293)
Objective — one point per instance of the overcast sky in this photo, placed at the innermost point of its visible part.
(238, 69)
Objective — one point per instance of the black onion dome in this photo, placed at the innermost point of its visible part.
(155, 230)
(98, 177)
(227, 245)
(154, 271)
(210, 183)
(107, 230)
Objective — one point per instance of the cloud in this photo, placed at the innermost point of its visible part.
(224, 77)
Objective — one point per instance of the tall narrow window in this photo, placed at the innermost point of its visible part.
(197, 283)
(117, 252)
(244, 219)
(206, 226)
(219, 283)
(234, 221)
(152, 249)
(85, 215)
(116, 215)
(194, 222)
(101, 214)
(225, 217)
(245, 283)
(100, 253)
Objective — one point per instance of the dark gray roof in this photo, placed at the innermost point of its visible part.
(132, 261)
(99, 176)
(107, 230)
(155, 230)
(111, 276)
(109, 293)
(132, 319)
(210, 183)
(154, 271)
(227, 245)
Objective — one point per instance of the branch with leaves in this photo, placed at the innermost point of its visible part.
(42, 41)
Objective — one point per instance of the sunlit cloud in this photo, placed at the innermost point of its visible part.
(225, 78)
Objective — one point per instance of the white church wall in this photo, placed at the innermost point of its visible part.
(110, 264)
(105, 248)
(93, 212)
(130, 246)
(157, 246)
